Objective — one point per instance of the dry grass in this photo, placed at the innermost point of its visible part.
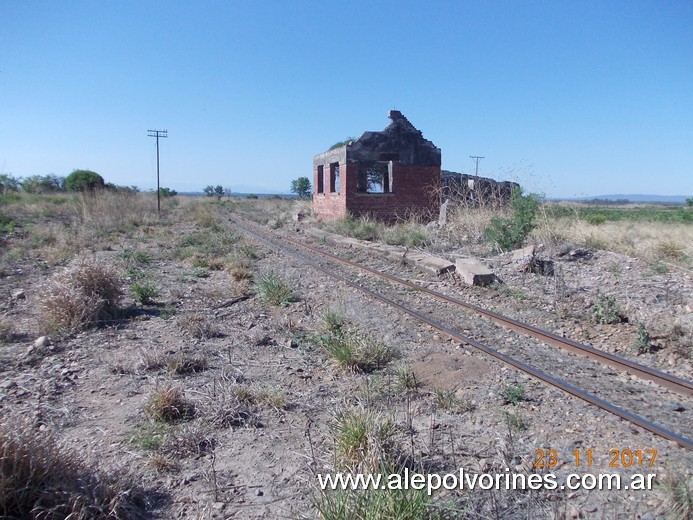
(167, 404)
(104, 212)
(198, 326)
(79, 297)
(668, 241)
(40, 479)
(6, 329)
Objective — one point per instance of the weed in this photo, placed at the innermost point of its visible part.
(144, 293)
(249, 252)
(333, 322)
(405, 379)
(252, 395)
(352, 350)
(198, 326)
(643, 341)
(40, 479)
(167, 404)
(182, 364)
(507, 233)
(240, 273)
(362, 436)
(515, 421)
(679, 498)
(659, 268)
(513, 394)
(372, 504)
(506, 290)
(201, 272)
(222, 407)
(149, 436)
(447, 400)
(273, 290)
(605, 309)
(79, 297)
(135, 257)
(190, 439)
(6, 329)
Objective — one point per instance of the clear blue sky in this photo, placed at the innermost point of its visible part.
(571, 98)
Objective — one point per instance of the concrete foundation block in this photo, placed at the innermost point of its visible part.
(474, 272)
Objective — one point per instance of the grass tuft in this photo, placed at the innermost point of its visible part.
(168, 405)
(274, 291)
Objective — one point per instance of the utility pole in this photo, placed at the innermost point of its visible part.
(476, 158)
(157, 134)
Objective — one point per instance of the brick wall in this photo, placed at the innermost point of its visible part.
(328, 206)
(413, 192)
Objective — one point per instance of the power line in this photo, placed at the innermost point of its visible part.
(157, 134)
(476, 158)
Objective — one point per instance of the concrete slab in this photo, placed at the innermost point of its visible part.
(474, 272)
(430, 264)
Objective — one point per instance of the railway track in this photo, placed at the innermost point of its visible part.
(647, 373)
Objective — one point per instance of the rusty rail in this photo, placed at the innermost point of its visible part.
(543, 376)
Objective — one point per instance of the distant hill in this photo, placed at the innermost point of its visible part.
(659, 199)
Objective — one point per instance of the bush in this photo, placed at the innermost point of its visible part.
(84, 180)
(507, 233)
(79, 297)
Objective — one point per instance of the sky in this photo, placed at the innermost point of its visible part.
(569, 98)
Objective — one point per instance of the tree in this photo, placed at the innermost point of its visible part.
(209, 191)
(219, 191)
(167, 192)
(83, 180)
(301, 187)
(8, 183)
(43, 184)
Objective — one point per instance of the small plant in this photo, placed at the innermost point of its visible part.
(198, 326)
(6, 329)
(362, 436)
(405, 379)
(352, 350)
(679, 498)
(643, 341)
(447, 400)
(144, 293)
(333, 322)
(513, 394)
(515, 421)
(182, 365)
(605, 309)
(149, 436)
(168, 405)
(273, 290)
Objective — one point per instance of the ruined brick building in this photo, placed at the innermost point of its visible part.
(389, 174)
(392, 174)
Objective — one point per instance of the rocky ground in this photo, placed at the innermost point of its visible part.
(265, 399)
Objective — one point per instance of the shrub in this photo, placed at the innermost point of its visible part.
(507, 233)
(79, 297)
(643, 340)
(40, 479)
(84, 180)
(144, 293)
(605, 309)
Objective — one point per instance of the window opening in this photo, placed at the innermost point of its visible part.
(321, 179)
